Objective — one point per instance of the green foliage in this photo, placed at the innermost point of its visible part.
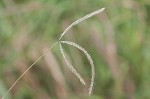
(27, 27)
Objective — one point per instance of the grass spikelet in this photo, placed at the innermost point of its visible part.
(89, 59)
(70, 66)
(80, 20)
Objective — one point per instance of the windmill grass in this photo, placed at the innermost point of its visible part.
(64, 55)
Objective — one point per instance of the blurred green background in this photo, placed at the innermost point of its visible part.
(118, 40)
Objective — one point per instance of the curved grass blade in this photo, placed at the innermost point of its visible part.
(88, 57)
(70, 66)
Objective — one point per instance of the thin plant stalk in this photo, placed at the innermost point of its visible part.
(59, 40)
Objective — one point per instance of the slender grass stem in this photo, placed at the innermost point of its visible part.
(26, 72)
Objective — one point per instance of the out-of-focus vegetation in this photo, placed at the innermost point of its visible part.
(117, 39)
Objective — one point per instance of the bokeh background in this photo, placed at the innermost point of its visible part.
(118, 40)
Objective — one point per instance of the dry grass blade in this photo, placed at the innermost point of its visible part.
(88, 57)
